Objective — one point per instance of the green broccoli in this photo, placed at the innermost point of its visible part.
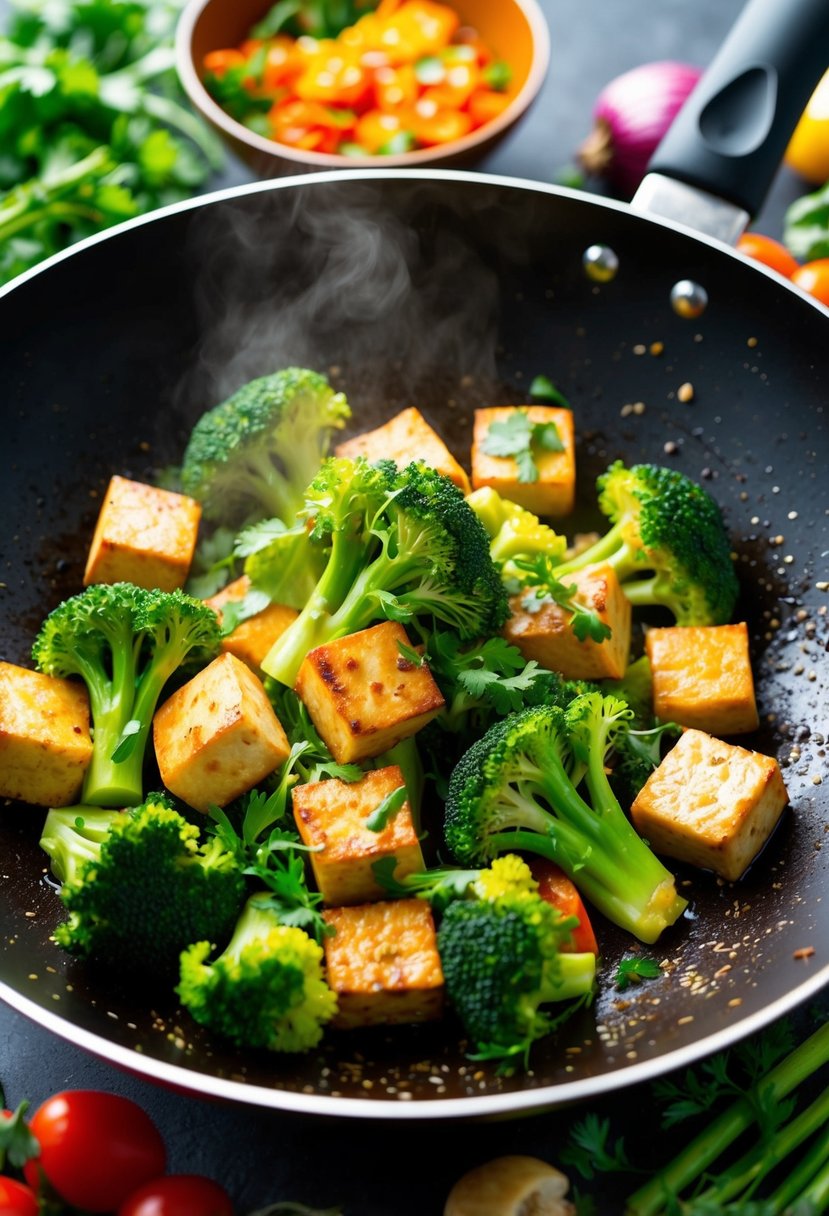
(442, 885)
(138, 885)
(266, 989)
(125, 643)
(403, 544)
(668, 544)
(503, 958)
(516, 790)
(252, 456)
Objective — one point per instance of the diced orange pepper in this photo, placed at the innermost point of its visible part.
(250, 46)
(484, 105)
(375, 128)
(431, 125)
(418, 28)
(218, 62)
(557, 889)
(334, 78)
(456, 88)
(305, 124)
(395, 87)
(281, 64)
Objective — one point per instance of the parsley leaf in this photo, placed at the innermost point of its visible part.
(517, 436)
(537, 572)
(383, 814)
(590, 1150)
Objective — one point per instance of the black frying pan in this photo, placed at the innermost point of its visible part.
(446, 291)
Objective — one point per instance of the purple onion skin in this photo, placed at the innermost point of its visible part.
(632, 113)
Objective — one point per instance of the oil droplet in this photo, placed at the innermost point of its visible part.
(689, 299)
(600, 263)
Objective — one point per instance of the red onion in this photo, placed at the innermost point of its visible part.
(631, 115)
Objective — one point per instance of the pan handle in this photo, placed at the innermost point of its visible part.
(730, 136)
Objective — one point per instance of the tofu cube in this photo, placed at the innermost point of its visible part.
(331, 816)
(553, 493)
(218, 735)
(251, 640)
(702, 677)
(45, 745)
(383, 964)
(710, 803)
(545, 634)
(364, 695)
(144, 536)
(405, 438)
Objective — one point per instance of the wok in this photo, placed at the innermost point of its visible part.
(444, 290)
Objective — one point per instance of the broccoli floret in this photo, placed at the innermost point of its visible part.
(266, 989)
(668, 544)
(514, 531)
(502, 959)
(403, 545)
(252, 456)
(138, 885)
(440, 886)
(515, 790)
(125, 642)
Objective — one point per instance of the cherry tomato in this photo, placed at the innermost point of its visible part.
(17, 1199)
(178, 1195)
(557, 889)
(814, 278)
(95, 1148)
(768, 251)
(808, 150)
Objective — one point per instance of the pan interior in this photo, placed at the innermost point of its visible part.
(445, 293)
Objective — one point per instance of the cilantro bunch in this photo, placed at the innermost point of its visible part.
(93, 129)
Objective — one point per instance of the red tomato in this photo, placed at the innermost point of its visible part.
(558, 890)
(16, 1199)
(178, 1195)
(768, 251)
(814, 278)
(95, 1148)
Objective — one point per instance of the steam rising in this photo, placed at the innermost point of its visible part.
(382, 283)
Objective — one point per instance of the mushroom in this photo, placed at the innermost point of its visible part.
(510, 1186)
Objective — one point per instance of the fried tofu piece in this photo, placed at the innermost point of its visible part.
(364, 695)
(545, 635)
(553, 493)
(144, 536)
(702, 677)
(404, 438)
(710, 803)
(331, 817)
(218, 735)
(45, 744)
(251, 640)
(383, 964)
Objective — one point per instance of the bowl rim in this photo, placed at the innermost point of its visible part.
(202, 100)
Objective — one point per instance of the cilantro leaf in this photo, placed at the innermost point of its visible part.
(634, 970)
(543, 389)
(537, 572)
(520, 438)
(383, 814)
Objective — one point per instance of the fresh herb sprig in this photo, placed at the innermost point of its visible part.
(519, 437)
(632, 971)
(537, 576)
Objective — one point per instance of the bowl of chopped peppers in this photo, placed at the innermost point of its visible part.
(313, 84)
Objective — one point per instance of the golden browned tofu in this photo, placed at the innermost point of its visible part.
(405, 438)
(711, 804)
(331, 817)
(383, 964)
(144, 536)
(363, 695)
(702, 677)
(251, 640)
(45, 746)
(553, 493)
(545, 635)
(218, 735)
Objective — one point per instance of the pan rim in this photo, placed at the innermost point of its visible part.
(469, 177)
(472, 1106)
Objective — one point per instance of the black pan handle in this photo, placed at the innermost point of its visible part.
(731, 134)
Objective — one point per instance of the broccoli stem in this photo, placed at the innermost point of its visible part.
(611, 548)
(697, 1156)
(315, 625)
(575, 974)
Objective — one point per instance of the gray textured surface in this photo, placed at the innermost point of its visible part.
(369, 1168)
